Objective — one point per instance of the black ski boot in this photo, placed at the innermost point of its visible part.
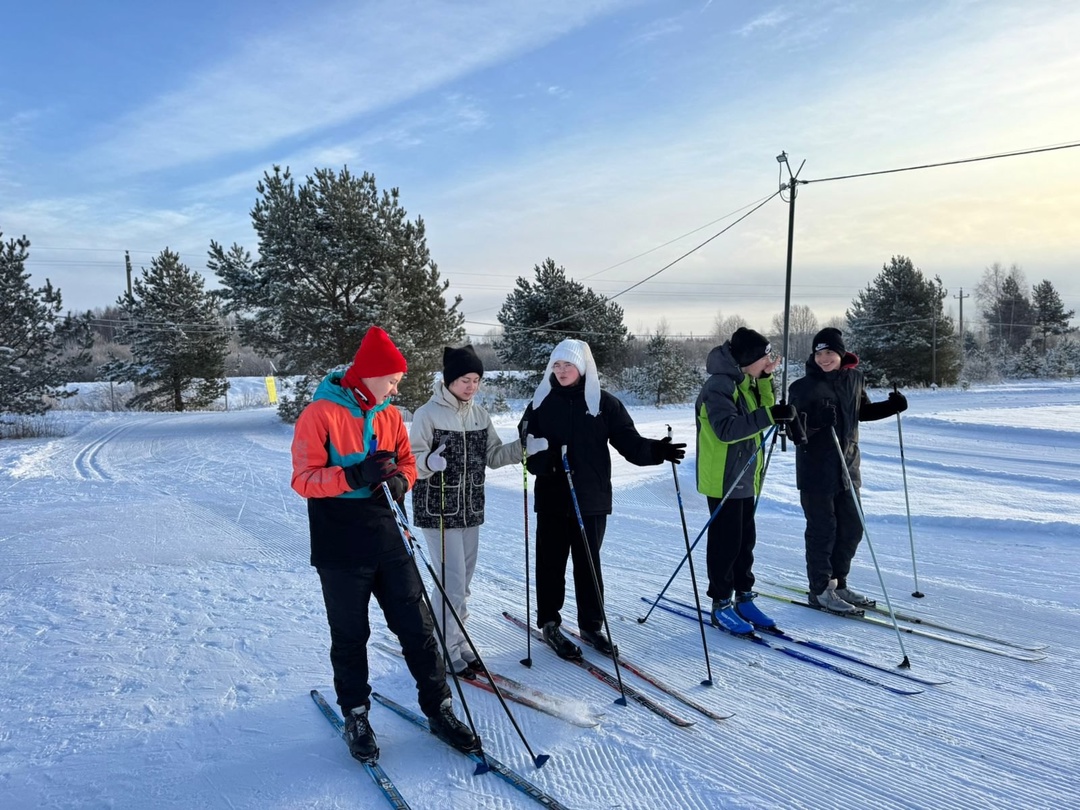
(564, 647)
(600, 642)
(450, 730)
(359, 736)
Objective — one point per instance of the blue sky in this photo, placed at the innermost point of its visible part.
(610, 135)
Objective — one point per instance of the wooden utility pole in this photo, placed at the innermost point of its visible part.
(961, 296)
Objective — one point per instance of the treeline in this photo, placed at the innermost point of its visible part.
(336, 254)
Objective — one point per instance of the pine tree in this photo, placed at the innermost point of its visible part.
(665, 376)
(178, 343)
(898, 328)
(1050, 315)
(539, 315)
(1011, 317)
(39, 349)
(335, 257)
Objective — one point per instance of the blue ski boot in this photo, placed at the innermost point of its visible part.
(725, 617)
(745, 607)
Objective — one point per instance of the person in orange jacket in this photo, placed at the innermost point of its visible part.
(347, 443)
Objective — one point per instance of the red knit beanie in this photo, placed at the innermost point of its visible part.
(376, 357)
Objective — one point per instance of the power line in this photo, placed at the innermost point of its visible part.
(1018, 153)
(651, 276)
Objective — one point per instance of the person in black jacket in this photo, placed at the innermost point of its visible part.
(570, 410)
(832, 397)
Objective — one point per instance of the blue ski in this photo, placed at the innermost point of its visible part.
(829, 650)
(374, 769)
(483, 759)
(756, 639)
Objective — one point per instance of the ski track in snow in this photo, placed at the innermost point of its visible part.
(161, 628)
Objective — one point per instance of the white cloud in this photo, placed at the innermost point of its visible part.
(367, 58)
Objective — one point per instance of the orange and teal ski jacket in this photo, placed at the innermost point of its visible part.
(334, 432)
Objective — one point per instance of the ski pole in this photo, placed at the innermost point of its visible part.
(621, 700)
(411, 547)
(527, 660)
(905, 664)
(712, 517)
(442, 548)
(693, 579)
(907, 504)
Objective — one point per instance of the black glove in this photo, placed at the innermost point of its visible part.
(373, 470)
(825, 417)
(398, 485)
(783, 413)
(796, 431)
(899, 402)
(663, 450)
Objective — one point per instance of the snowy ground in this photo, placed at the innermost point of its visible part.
(160, 630)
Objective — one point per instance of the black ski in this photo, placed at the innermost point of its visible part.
(914, 631)
(606, 677)
(485, 760)
(374, 769)
(907, 617)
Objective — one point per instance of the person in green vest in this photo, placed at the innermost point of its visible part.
(736, 406)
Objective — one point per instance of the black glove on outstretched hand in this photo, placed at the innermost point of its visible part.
(899, 401)
(372, 471)
(783, 413)
(398, 485)
(824, 417)
(663, 450)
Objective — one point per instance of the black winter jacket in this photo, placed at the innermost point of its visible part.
(817, 464)
(562, 420)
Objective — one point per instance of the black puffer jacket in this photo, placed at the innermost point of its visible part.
(817, 464)
(562, 419)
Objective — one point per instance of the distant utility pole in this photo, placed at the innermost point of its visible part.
(961, 296)
(127, 264)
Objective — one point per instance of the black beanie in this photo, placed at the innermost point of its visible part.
(829, 338)
(459, 362)
(748, 346)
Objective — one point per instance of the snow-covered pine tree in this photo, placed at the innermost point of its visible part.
(178, 342)
(538, 315)
(1051, 318)
(898, 327)
(1010, 318)
(39, 348)
(335, 257)
(665, 376)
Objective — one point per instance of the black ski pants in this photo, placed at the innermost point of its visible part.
(558, 536)
(730, 555)
(833, 532)
(391, 577)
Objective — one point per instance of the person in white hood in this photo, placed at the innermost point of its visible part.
(569, 410)
(454, 442)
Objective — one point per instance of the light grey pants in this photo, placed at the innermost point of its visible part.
(461, 548)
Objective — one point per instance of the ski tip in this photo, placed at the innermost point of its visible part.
(541, 760)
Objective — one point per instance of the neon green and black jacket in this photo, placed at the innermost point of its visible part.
(732, 412)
